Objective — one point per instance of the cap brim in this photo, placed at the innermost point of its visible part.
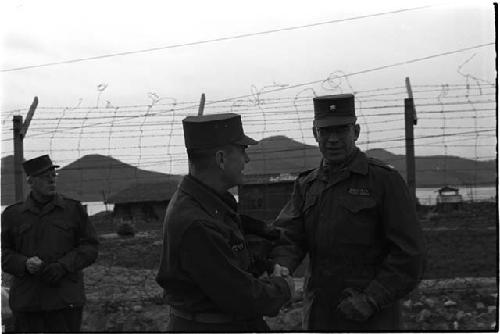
(245, 140)
(332, 121)
(44, 170)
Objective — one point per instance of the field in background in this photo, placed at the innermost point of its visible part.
(461, 267)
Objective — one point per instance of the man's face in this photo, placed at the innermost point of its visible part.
(337, 142)
(44, 184)
(234, 163)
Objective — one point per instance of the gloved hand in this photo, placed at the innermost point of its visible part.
(52, 273)
(284, 272)
(357, 306)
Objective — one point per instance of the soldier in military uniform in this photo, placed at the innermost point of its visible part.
(356, 220)
(46, 242)
(205, 266)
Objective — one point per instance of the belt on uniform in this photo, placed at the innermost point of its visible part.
(206, 317)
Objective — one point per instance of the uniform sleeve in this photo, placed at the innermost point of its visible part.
(292, 246)
(12, 262)
(213, 267)
(85, 251)
(402, 269)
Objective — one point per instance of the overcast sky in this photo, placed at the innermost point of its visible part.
(174, 50)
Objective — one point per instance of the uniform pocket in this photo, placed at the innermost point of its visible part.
(357, 224)
(62, 225)
(355, 205)
(24, 228)
(24, 238)
(62, 235)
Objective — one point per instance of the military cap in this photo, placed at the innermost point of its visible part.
(38, 165)
(330, 110)
(208, 131)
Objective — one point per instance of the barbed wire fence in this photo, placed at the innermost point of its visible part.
(107, 147)
(454, 120)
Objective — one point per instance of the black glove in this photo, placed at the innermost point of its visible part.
(357, 306)
(52, 273)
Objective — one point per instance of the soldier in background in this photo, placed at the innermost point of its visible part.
(205, 267)
(355, 218)
(46, 242)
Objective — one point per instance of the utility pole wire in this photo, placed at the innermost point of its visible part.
(220, 39)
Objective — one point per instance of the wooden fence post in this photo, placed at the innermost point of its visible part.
(410, 120)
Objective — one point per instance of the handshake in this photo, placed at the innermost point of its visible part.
(280, 271)
(50, 273)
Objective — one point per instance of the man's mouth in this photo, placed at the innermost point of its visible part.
(334, 149)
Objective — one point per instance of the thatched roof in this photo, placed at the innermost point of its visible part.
(269, 178)
(146, 192)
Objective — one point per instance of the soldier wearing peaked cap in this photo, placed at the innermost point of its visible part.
(354, 217)
(46, 242)
(205, 266)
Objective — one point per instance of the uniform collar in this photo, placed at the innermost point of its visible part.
(211, 202)
(29, 203)
(357, 164)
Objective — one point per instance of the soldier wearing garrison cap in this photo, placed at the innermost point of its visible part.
(206, 265)
(46, 242)
(354, 217)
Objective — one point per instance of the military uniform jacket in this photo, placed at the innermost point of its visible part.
(360, 230)
(205, 261)
(60, 232)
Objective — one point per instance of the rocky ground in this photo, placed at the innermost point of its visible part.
(129, 300)
(123, 296)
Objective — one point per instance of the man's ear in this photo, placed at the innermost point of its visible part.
(315, 133)
(220, 158)
(356, 131)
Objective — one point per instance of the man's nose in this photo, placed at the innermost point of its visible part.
(247, 158)
(334, 136)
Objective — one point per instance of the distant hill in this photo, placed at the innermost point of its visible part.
(93, 177)
(90, 178)
(439, 170)
(280, 154)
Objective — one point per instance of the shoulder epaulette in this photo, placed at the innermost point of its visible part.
(15, 204)
(380, 163)
(306, 172)
(66, 198)
(308, 175)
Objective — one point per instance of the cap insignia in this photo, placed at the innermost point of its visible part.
(332, 107)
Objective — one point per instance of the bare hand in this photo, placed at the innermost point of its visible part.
(33, 264)
(280, 271)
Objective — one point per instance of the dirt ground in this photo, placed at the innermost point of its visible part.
(129, 300)
(124, 297)
(459, 291)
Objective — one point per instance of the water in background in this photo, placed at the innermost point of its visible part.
(95, 207)
(427, 196)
